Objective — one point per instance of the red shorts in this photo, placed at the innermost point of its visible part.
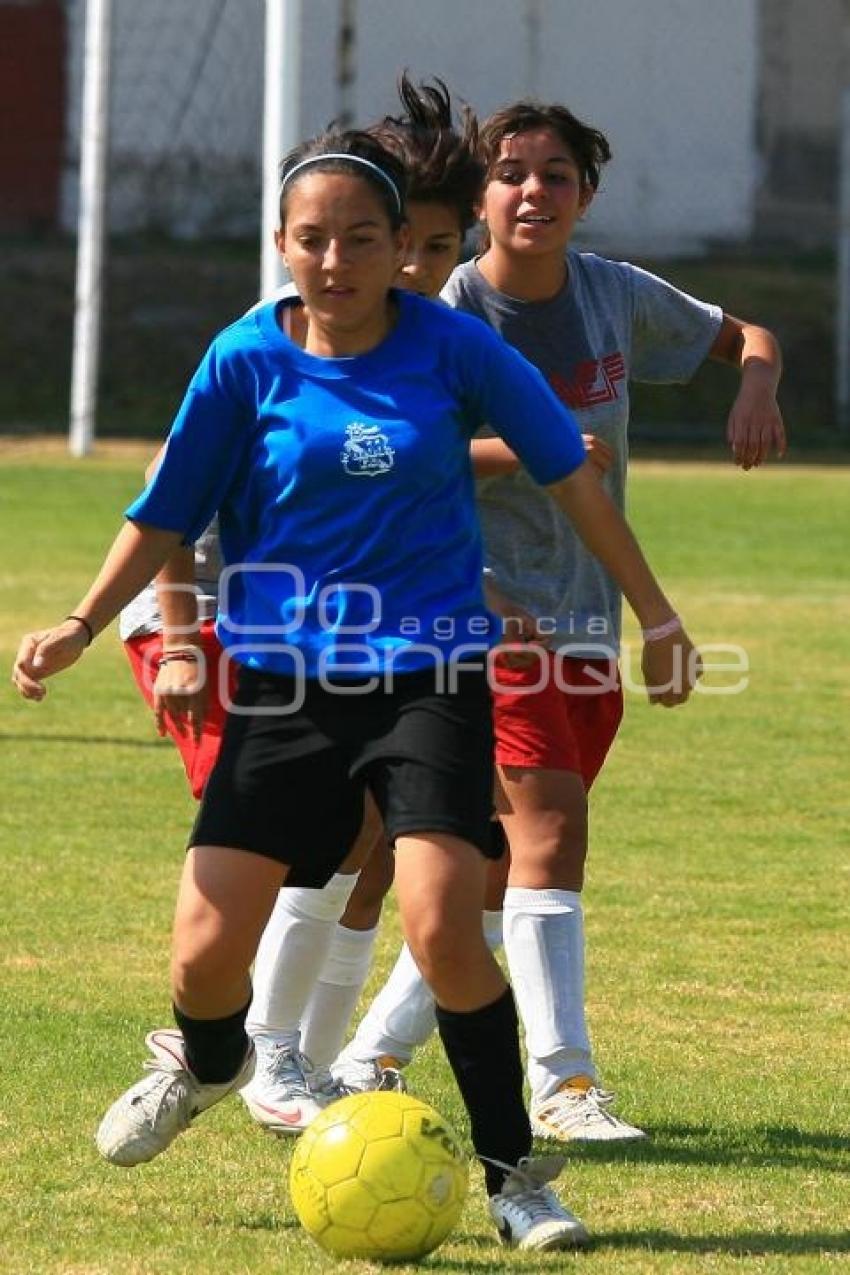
(567, 718)
(198, 758)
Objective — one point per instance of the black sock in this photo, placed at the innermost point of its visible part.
(215, 1047)
(482, 1047)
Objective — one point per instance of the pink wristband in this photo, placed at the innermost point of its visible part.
(661, 631)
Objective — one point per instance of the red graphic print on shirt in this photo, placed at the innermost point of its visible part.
(594, 381)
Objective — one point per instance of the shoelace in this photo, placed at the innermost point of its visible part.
(391, 1079)
(351, 1085)
(288, 1066)
(170, 1090)
(527, 1184)
(536, 1203)
(363, 1076)
(323, 1085)
(566, 1109)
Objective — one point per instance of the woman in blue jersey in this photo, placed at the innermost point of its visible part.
(331, 434)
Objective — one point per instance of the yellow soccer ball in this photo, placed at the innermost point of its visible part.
(379, 1176)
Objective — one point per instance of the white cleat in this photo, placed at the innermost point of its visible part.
(581, 1115)
(529, 1215)
(366, 1075)
(148, 1117)
(286, 1093)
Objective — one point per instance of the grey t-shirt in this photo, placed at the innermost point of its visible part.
(611, 323)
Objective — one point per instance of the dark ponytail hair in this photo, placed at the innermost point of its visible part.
(440, 156)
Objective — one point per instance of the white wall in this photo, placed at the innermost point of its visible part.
(671, 82)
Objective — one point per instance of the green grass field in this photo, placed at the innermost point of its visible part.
(716, 913)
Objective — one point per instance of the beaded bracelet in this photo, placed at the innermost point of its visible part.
(661, 631)
(88, 628)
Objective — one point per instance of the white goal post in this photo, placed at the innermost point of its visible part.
(281, 131)
(281, 122)
(842, 319)
(91, 236)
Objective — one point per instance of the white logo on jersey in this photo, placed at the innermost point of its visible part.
(367, 451)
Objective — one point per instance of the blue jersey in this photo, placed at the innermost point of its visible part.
(344, 486)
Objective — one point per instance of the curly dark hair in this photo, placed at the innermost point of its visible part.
(440, 157)
(337, 143)
(587, 145)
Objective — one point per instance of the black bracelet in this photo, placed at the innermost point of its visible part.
(177, 657)
(88, 628)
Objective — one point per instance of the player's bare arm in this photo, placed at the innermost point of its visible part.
(519, 627)
(755, 427)
(137, 553)
(491, 457)
(181, 687)
(670, 662)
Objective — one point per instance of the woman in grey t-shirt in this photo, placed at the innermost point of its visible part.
(590, 325)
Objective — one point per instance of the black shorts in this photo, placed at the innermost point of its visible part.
(290, 787)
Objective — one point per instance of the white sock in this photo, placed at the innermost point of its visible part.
(401, 1017)
(544, 945)
(325, 1020)
(291, 954)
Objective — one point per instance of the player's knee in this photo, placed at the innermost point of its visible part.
(569, 853)
(204, 972)
(426, 940)
(557, 838)
(556, 864)
(443, 952)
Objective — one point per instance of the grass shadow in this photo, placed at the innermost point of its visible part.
(742, 1244)
(489, 1256)
(761, 1146)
